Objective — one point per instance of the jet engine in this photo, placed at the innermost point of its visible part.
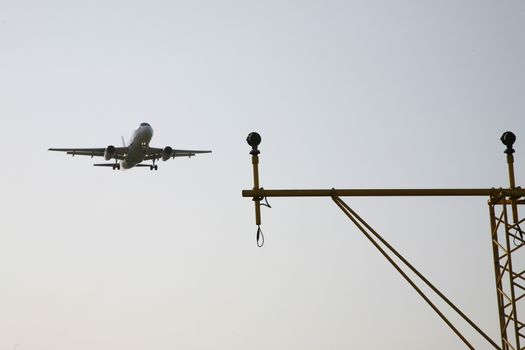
(167, 152)
(110, 152)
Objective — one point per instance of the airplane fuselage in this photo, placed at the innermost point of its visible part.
(138, 146)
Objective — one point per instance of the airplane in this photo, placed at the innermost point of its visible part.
(134, 154)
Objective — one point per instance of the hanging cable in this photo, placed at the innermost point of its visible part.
(259, 237)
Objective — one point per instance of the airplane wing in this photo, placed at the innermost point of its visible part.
(157, 153)
(120, 152)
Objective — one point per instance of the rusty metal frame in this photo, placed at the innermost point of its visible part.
(509, 268)
(505, 232)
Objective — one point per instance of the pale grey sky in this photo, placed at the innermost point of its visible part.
(349, 94)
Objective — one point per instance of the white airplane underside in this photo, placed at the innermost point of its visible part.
(138, 151)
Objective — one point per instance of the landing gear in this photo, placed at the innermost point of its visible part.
(154, 166)
(116, 166)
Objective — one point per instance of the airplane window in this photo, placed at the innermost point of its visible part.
(144, 124)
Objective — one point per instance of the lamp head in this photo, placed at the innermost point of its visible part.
(254, 140)
(508, 138)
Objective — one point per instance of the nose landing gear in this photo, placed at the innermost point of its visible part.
(154, 166)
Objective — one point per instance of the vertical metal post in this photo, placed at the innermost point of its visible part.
(255, 163)
(254, 140)
(512, 181)
(508, 139)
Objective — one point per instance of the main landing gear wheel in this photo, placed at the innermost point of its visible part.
(116, 166)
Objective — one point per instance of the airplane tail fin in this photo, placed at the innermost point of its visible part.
(123, 142)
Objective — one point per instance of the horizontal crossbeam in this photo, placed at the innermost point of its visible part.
(492, 192)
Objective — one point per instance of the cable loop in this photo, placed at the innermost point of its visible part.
(259, 237)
